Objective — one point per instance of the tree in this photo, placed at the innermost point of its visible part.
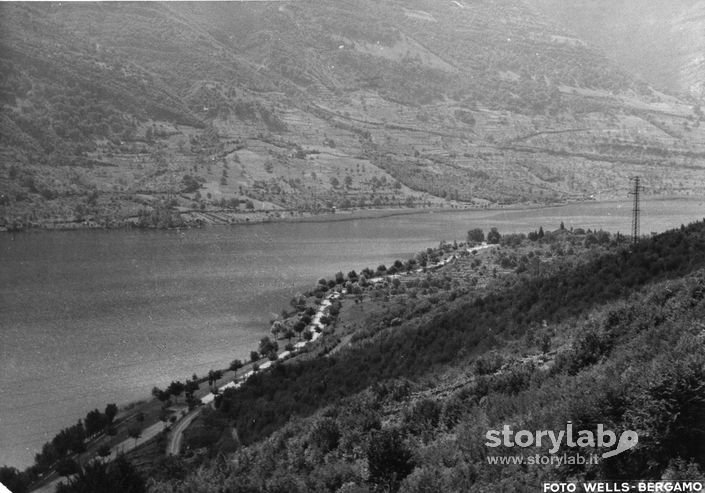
(254, 356)
(298, 302)
(476, 236)
(334, 309)
(348, 181)
(235, 365)
(104, 451)
(70, 439)
(277, 329)
(14, 480)
(164, 397)
(267, 346)
(494, 236)
(134, 432)
(334, 182)
(214, 376)
(299, 327)
(66, 467)
(190, 184)
(425, 414)
(325, 435)
(175, 389)
(388, 459)
(190, 388)
(95, 422)
(546, 343)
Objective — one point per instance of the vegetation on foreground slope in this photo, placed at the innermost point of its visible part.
(410, 406)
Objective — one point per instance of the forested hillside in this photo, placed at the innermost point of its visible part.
(584, 329)
(160, 114)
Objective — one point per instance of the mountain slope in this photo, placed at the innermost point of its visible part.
(118, 110)
(607, 337)
(662, 42)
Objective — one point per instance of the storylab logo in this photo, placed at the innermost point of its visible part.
(548, 438)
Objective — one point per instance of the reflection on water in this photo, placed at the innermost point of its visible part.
(92, 317)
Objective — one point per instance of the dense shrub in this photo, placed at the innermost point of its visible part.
(389, 460)
(326, 435)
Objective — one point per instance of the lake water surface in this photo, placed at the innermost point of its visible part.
(91, 317)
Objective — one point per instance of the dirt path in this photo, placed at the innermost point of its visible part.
(177, 434)
(129, 444)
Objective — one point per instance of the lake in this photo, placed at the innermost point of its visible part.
(92, 317)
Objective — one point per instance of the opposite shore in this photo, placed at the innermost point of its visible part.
(224, 217)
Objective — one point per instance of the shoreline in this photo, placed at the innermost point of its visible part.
(264, 217)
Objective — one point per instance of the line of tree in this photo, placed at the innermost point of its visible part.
(188, 388)
(71, 440)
